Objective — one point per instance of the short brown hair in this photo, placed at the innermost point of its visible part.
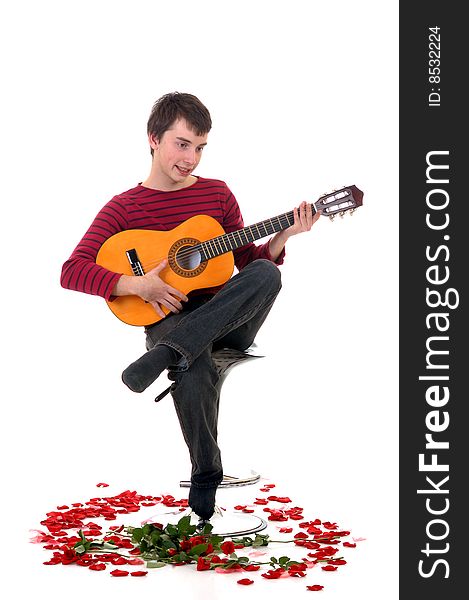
(171, 107)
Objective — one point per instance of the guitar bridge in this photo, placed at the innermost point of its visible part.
(134, 262)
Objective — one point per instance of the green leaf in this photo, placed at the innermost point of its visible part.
(184, 524)
(155, 564)
(167, 544)
(171, 530)
(283, 560)
(155, 537)
(198, 549)
(137, 534)
(216, 540)
(261, 540)
(80, 549)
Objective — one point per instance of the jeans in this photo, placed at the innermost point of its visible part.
(229, 319)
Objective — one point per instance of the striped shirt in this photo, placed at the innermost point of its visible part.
(145, 208)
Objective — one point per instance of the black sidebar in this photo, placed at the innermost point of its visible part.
(434, 354)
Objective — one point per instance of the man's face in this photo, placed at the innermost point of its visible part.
(177, 154)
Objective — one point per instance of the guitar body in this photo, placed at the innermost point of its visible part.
(151, 247)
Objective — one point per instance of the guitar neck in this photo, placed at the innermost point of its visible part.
(347, 199)
(242, 237)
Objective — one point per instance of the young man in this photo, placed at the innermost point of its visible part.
(227, 316)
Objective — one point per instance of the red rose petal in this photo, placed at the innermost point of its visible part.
(119, 573)
(63, 523)
(273, 574)
(314, 588)
(53, 561)
(337, 561)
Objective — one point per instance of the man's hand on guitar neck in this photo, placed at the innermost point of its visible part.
(151, 288)
(303, 221)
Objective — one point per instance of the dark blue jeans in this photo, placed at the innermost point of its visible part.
(229, 319)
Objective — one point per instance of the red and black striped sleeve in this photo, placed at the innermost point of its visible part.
(80, 272)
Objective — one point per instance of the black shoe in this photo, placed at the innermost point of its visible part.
(201, 524)
(144, 371)
(202, 501)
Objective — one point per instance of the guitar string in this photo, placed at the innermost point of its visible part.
(283, 220)
(192, 251)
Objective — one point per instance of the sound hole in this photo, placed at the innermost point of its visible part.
(188, 258)
(184, 259)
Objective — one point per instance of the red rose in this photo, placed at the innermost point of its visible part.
(227, 547)
(202, 564)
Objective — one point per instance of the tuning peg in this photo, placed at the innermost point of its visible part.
(352, 211)
(342, 214)
(331, 217)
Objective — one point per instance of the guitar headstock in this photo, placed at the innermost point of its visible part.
(347, 199)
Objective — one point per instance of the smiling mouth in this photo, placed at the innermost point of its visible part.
(183, 171)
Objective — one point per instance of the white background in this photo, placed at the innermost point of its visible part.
(303, 97)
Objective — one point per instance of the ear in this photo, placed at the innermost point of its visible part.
(153, 141)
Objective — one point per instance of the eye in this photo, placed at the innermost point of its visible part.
(183, 145)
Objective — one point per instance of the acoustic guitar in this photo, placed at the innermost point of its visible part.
(199, 252)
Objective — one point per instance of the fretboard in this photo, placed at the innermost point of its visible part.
(242, 237)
